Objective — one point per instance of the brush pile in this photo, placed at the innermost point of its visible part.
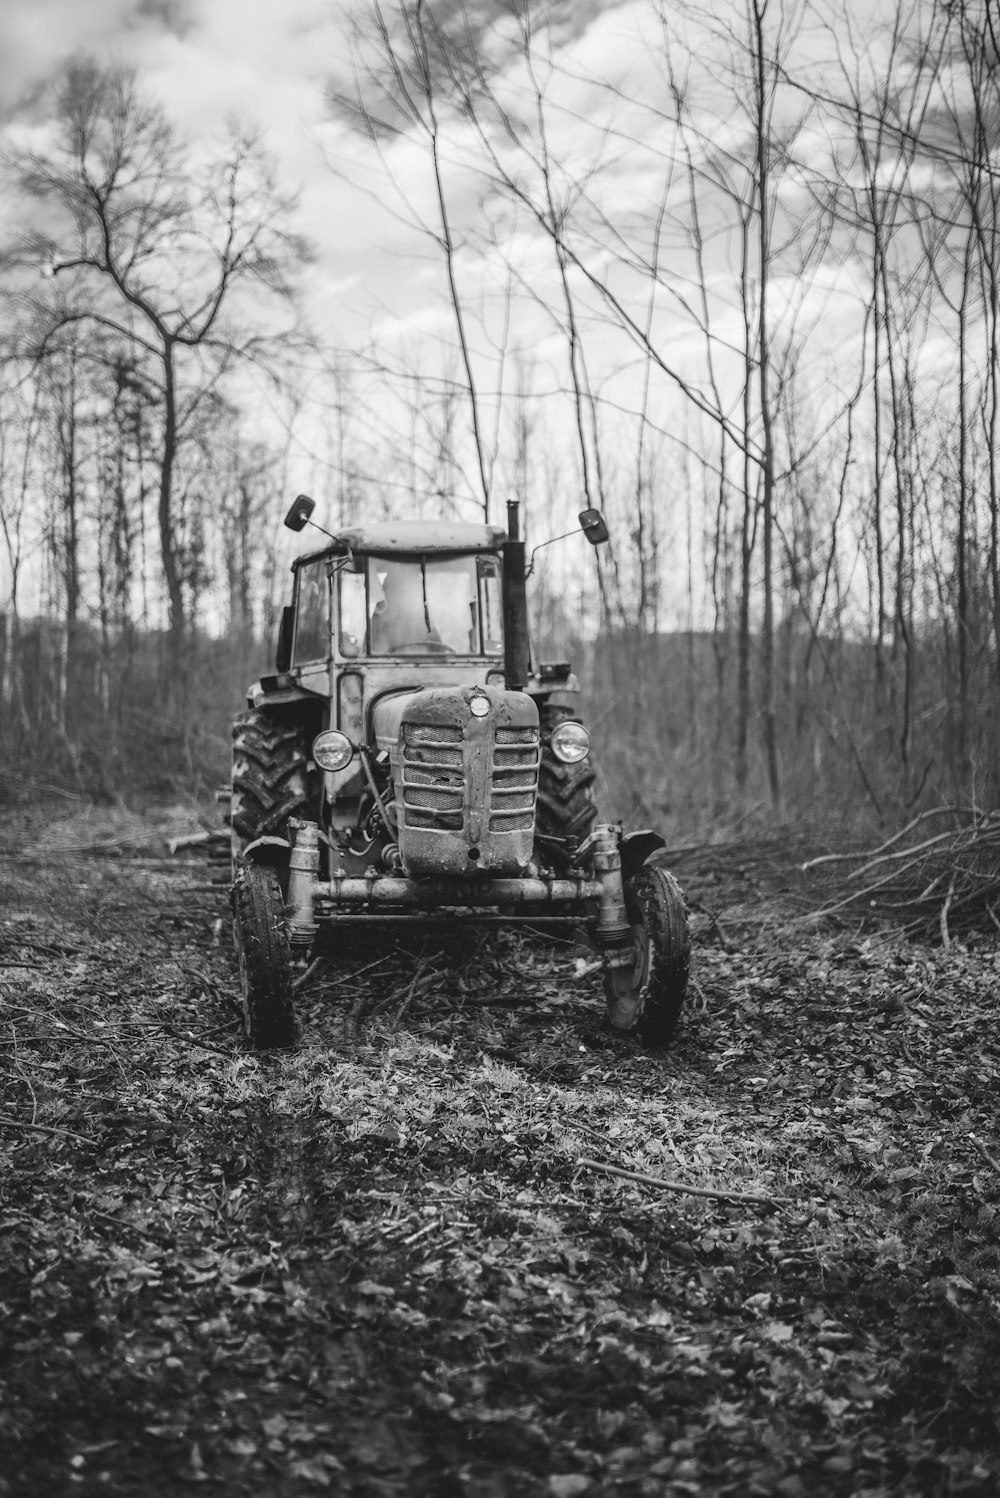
(926, 878)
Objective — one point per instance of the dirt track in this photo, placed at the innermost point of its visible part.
(392, 1265)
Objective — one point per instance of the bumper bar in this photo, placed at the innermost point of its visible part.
(311, 899)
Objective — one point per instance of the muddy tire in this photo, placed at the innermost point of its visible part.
(261, 939)
(566, 806)
(271, 781)
(646, 1000)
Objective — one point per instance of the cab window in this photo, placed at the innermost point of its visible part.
(353, 624)
(312, 614)
(490, 605)
(434, 605)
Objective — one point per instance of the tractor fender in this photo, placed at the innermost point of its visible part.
(273, 852)
(283, 690)
(636, 847)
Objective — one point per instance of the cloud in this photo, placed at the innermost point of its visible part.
(38, 36)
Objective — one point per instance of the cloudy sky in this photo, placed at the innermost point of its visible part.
(378, 283)
(376, 279)
(206, 60)
(271, 62)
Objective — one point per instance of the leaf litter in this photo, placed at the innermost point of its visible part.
(429, 1251)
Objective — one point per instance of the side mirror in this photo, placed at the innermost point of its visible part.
(298, 516)
(592, 524)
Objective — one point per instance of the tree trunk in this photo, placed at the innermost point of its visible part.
(768, 683)
(165, 515)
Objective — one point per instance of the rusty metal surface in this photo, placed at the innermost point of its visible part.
(465, 783)
(303, 874)
(433, 894)
(612, 921)
(420, 536)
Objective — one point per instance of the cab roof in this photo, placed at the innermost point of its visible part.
(414, 536)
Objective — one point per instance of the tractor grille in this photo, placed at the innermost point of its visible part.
(515, 779)
(434, 775)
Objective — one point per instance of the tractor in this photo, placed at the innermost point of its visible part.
(409, 761)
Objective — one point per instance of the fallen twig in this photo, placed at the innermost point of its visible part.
(403, 996)
(67, 1035)
(194, 1040)
(419, 983)
(428, 1227)
(980, 1146)
(363, 1005)
(716, 923)
(37, 1128)
(303, 978)
(498, 1001)
(945, 933)
(867, 853)
(582, 1128)
(47, 949)
(858, 894)
(131, 1227)
(960, 863)
(664, 1185)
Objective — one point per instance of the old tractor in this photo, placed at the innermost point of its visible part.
(409, 761)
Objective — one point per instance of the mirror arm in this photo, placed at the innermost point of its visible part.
(549, 542)
(321, 530)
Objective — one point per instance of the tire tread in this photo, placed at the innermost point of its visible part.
(265, 966)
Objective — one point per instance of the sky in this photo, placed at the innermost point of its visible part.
(206, 60)
(272, 62)
(265, 61)
(376, 280)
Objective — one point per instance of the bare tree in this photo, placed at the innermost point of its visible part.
(406, 62)
(157, 248)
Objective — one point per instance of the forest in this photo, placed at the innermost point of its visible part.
(748, 306)
(731, 275)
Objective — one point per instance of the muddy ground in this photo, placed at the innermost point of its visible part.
(395, 1261)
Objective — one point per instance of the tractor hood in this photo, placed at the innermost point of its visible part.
(387, 715)
(446, 705)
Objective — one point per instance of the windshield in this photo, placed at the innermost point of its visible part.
(434, 605)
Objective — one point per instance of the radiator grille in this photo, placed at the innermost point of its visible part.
(434, 778)
(515, 779)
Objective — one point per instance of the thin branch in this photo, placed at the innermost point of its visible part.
(679, 1186)
(37, 1128)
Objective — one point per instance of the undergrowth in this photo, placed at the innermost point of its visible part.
(448, 1245)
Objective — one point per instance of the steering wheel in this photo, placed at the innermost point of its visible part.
(423, 647)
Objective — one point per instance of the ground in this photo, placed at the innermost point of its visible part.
(396, 1262)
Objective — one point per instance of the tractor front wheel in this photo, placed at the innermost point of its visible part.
(261, 939)
(272, 778)
(646, 998)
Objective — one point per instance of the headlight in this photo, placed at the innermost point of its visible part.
(332, 750)
(570, 742)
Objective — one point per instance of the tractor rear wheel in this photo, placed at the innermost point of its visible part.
(646, 999)
(261, 939)
(566, 806)
(271, 778)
